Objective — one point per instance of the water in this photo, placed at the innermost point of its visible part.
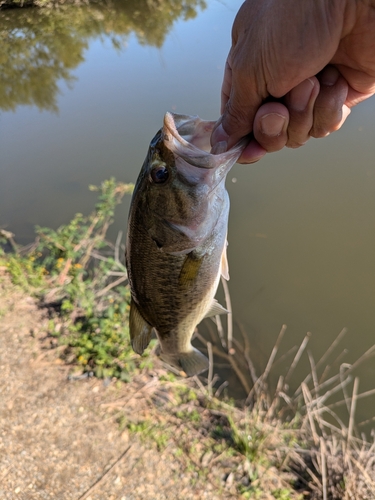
(82, 92)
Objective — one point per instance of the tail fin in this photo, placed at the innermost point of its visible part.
(192, 362)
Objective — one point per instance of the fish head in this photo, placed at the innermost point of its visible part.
(180, 192)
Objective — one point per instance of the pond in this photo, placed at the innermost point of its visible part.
(82, 92)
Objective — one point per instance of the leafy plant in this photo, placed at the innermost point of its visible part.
(81, 278)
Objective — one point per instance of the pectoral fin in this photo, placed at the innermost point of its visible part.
(140, 330)
(215, 309)
(190, 268)
(224, 263)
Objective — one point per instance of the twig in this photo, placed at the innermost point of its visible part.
(200, 385)
(335, 362)
(229, 315)
(366, 422)
(328, 382)
(111, 285)
(323, 452)
(271, 359)
(273, 354)
(220, 331)
(352, 410)
(282, 358)
(298, 355)
(103, 476)
(117, 247)
(68, 263)
(324, 357)
(246, 354)
(343, 374)
(231, 360)
(210, 367)
(310, 472)
(220, 389)
(359, 396)
(331, 347)
(313, 372)
(98, 256)
(308, 400)
(276, 397)
(335, 389)
(368, 354)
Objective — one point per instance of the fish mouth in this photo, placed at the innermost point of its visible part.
(188, 138)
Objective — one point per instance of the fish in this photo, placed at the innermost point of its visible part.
(176, 242)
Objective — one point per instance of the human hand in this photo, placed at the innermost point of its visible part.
(294, 71)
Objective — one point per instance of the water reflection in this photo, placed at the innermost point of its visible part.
(40, 47)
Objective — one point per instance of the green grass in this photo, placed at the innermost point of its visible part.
(81, 279)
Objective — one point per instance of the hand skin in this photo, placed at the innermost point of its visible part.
(294, 71)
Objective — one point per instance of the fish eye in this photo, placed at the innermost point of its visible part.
(160, 174)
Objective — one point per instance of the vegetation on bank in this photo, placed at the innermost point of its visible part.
(277, 444)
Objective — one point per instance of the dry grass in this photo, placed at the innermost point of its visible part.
(300, 431)
(280, 443)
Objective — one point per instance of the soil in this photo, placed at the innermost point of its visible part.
(68, 439)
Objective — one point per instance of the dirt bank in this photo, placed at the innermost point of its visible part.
(59, 438)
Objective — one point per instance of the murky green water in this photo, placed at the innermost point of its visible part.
(82, 92)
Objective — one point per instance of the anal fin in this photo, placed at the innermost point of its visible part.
(140, 330)
(215, 308)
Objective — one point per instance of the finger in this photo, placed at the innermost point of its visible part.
(252, 153)
(329, 110)
(300, 103)
(241, 103)
(270, 126)
(361, 84)
(353, 98)
(226, 86)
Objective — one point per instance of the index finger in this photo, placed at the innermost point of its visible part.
(226, 86)
(239, 103)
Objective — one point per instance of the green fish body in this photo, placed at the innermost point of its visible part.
(176, 240)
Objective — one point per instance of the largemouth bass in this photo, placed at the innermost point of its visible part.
(177, 238)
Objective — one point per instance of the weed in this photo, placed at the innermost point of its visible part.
(147, 430)
(81, 278)
(168, 377)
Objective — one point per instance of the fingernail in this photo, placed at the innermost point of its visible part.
(301, 94)
(272, 124)
(329, 76)
(219, 135)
